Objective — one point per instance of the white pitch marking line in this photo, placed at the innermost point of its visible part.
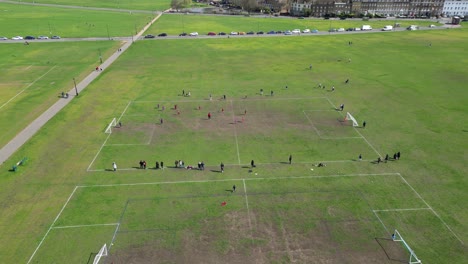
(99, 151)
(247, 204)
(340, 138)
(430, 208)
(312, 124)
(235, 133)
(239, 179)
(355, 129)
(27, 68)
(152, 134)
(375, 213)
(115, 234)
(113, 145)
(79, 226)
(53, 223)
(107, 138)
(27, 87)
(257, 99)
(402, 209)
(125, 110)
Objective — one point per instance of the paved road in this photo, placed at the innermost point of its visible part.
(21, 138)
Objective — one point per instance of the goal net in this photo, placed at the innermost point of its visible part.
(110, 126)
(413, 259)
(349, 117)
(102, 253)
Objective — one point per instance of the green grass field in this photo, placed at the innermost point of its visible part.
(68, 23)
(118, 4)
(174, 24)
(65, 203)
(33, 77)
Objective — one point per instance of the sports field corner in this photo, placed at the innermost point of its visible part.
(263, 162)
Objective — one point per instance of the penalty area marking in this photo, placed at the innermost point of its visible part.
(40, 77)
(79, 226)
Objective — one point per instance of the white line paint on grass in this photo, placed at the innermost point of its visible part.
(402, 209)
(433, 211)
(247, 204)
(79, 226)
(239, 179)
(235, 132)
(99, 151)
(125, 110)
(52, 225)
(312, 124)
(116, 145)
(27, 87)
(240, 99)
(380, 220)
(368, 143)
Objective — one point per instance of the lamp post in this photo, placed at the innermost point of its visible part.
(76, 89)
(100, 56)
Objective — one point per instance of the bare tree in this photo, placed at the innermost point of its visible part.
(249, 5)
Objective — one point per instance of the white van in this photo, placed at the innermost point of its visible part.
(366, 27)
(387, 28)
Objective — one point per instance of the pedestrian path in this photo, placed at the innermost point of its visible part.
(23, 136)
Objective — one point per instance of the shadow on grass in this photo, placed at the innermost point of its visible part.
(392, 250)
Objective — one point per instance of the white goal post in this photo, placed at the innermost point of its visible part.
(111, 125)
(413, 259)
(102, 253)
(351, 118)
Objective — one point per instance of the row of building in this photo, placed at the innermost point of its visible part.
(409, 8)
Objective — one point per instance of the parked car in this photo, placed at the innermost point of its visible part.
(288, 32)
(296, 31)
(3, 38)
(279, 32)
(350, 29)
(332, 30)
(260, 33)
(387, 28)
(162, 35)
(241, 33)
(17, 38)
(412, 27)
(340, 30)
(315, 31)
(183, 34)
(29, 37)
(234, 33)
(222, 33)
(306, 30)
(357, 29)
(250, 33)
(149, 36)
(193, 34)
(55, 37)
(366, 27)
(271, 32)
(211, 34)
(43, 37)
(432, 26)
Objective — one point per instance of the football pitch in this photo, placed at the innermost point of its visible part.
(251, 100)
(320, 219)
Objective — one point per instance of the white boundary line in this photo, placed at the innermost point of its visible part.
(240, 100)
(368, 143)
(240, 179)
(116, 145)
(402, 209)
(312, 124)
(53, 223)
(107, 138)
(79, 226)
(235, 133)
(247, 204)
(152, 134)
(27, 87)
(380, 220)
(430, 208)
(273, 163)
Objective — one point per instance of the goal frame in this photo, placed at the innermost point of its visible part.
(102, 253)
(413, 259)
(112, 124)
(350, 117)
